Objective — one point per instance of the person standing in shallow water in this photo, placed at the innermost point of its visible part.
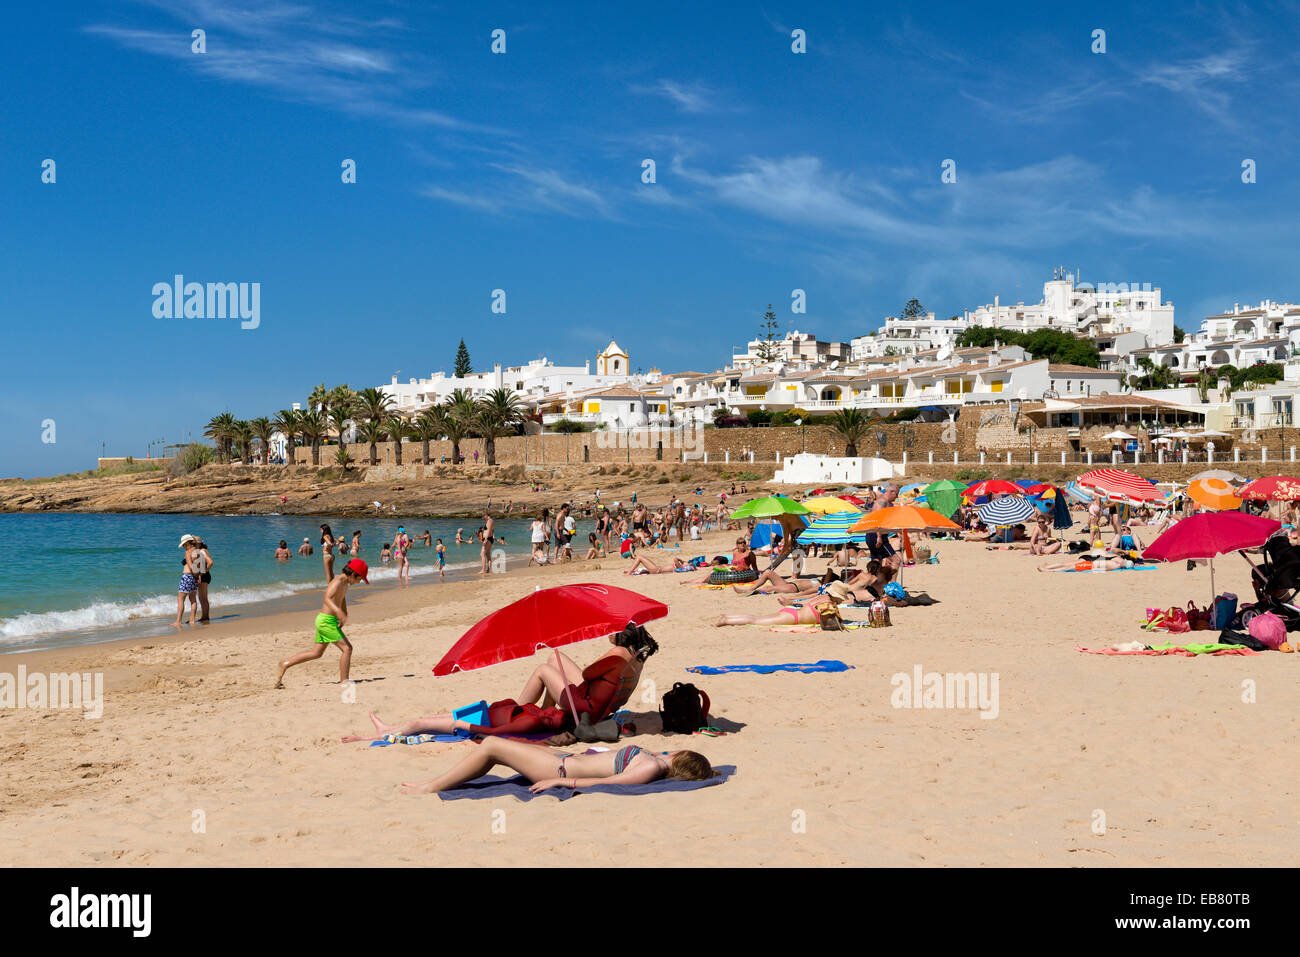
(202, 563)
(327, 551)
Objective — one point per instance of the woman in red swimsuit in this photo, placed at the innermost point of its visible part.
(595, 690)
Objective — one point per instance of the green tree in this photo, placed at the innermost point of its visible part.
(312, 427)
(428, 424)
(497, 415)
(913, 309)
(398, 428)
(851, 425)
(1179, 334)
(768, 350)
(262, 429)
(241, 433)
(286, 423)
(342, 458)
(462, 367)
(372, 432)
(459, 414)
(220, 430)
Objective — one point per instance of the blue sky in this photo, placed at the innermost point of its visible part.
(522, 171)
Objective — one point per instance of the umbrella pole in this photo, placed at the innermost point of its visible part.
(568, 688)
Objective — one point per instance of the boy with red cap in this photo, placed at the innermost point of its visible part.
(329, 623)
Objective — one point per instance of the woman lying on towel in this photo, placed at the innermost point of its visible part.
(805, 615)
(1093, 563)
(503, 717)
(605, 684)
(551, 769)
(776, 585)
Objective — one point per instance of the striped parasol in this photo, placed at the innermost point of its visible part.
(1118, 484)
(832, 530)
(830, 505)
(1007, 511)
(1077, 493)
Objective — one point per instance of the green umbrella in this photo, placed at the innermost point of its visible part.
(944, 496)
(770, 506)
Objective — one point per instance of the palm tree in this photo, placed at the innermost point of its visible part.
(431, 423)
(262, 429)
(241, 433)
(398, 427)
(342, 458)
(286, 423)
(220, 430)
(373, 431)
(339, 404)
(497, 415)
(850, 425)
(459, 417)
(312, 425)
(373, 404)
(319, 399)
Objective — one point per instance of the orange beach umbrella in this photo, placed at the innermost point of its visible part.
(1213, 493)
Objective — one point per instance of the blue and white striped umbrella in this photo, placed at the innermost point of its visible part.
(1007, 511)
(1078, 493)
(832, 530)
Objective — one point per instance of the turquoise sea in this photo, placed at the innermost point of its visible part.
(75, 578)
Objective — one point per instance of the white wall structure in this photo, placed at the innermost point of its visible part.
(808, 469)
(793, 347)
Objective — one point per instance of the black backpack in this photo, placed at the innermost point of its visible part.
(685, 709)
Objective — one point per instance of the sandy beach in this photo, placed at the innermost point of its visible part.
(198, 761)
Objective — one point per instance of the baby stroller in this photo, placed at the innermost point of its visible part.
(1276, 581)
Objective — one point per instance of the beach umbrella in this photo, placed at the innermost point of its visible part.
(1213, 493)
(835, 529)
(1118, 434)
(904, 518)
(1007, 511)
(1273, 488)
(1077, 493)
(944, 496)
(1119, 484)
(763, 534)
(829, 505)
(769, 507)
(549, 618)
(1218, 474)
(993, 487)
(1207, 534)
(853, 500)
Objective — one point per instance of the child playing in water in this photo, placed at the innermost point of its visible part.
(386, 553)
(329, 623)
(442, 560)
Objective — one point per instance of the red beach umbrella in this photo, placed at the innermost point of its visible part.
(1274, 488)
(1207, 534)
(854, 500)
(1116, 483)
(993, 487)
(548, 618)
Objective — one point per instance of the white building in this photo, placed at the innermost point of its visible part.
(909, 336)
(794, 347)
(537, 379)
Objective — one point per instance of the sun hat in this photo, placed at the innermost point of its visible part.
(185, 539)
(359, 568)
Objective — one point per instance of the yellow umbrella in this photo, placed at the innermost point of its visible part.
(1213, 493)
(829, 505)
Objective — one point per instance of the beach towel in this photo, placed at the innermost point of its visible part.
(1089, 571)
(491, 787)
(1186, 651)
(816, 666)
(448, 738)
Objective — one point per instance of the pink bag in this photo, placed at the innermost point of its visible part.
(1269, 629)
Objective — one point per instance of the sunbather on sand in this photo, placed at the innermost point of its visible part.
(806, 615)
(778, 585)
(602, 685)
(504, 717)
(1041, 542)
(1089, 563)
(550, 769)
(641, 565)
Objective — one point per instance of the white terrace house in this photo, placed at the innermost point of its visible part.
(1268, 320)
(619, 407)
(795, 347)
(909, 336)
(1192, 356)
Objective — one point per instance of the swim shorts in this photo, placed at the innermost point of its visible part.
(328, 630)
(189, 584)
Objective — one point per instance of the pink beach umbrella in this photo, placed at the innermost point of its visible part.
(1207, 534)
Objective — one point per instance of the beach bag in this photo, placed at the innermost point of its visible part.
(1223, 611)
(922, 553)
(879, 615)
(1198, 619)
(685, 709)
(831, 619)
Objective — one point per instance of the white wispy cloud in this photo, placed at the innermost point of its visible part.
(298, 51)
(522, 188)
(687, 97)
(1204, 81)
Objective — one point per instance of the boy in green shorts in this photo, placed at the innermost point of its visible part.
(329, 623)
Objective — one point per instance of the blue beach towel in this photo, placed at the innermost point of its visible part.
(489, 786)
(817, 666)
(1090, 571)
